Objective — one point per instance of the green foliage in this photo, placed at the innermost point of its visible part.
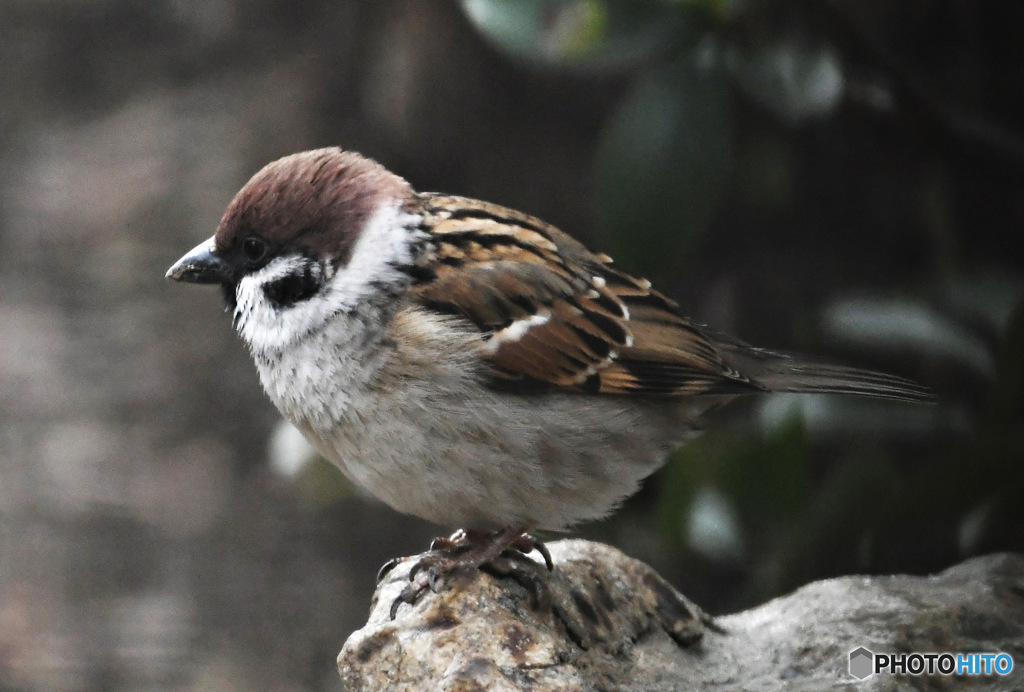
(667, 154)
(765, 476)
(663, 162)
(583, 35)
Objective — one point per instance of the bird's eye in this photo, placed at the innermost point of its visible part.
(254, 248)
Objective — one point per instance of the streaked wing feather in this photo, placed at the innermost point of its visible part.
(556, 314)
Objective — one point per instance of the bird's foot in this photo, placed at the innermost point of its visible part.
(501, 553)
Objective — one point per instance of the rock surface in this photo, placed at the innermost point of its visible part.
(616, 624)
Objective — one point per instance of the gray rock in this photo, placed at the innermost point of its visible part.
(615, 624)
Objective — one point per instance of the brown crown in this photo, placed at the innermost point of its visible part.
(316, 200)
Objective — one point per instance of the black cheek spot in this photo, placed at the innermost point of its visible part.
(294, 288)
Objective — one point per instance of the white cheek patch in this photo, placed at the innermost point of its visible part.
(385, 243)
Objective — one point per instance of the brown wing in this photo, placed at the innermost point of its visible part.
(554, 314)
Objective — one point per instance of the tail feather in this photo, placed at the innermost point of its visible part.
(782, 372)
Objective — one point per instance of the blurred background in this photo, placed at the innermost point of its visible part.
(844, 179)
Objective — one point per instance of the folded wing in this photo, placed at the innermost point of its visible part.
(554, 315)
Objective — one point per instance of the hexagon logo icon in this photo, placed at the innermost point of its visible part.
(861, 663)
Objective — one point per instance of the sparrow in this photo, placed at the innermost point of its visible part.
(467, 363)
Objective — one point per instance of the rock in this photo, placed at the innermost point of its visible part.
(616, 624)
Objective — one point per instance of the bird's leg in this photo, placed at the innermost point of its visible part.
(502, 553)
(461, 540)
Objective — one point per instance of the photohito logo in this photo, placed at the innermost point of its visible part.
(864, 663)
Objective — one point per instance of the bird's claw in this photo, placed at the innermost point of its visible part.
(496, 554)
(426, 574)
(528, 573)
(386, 568)
(526, 544)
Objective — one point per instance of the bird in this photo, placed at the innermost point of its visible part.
(467, 363)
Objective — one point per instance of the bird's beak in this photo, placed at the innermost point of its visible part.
(200, 266)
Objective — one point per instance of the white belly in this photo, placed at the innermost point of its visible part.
(421, 433)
